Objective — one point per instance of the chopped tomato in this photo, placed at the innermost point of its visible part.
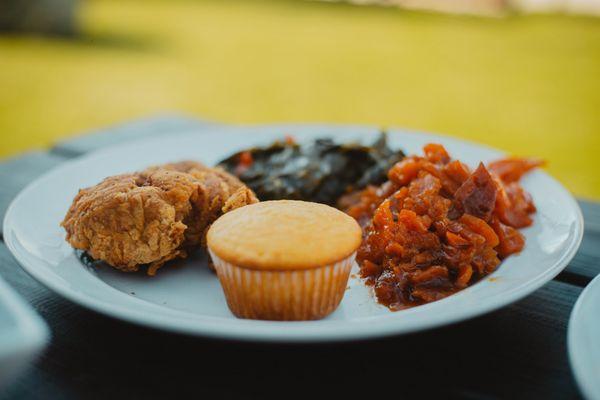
(436, 227)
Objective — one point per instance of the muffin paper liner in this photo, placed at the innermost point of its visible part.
(283, 295)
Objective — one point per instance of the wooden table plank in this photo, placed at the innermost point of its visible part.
(591, 215)
(16, 173)
(586, 264)
(137, 129)
(517, 352)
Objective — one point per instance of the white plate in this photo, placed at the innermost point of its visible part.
(22, 334)
(584, 340)
(189, 299)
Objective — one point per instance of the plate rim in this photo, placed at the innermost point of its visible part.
(266, 334)
(586, 385)
(24, 339)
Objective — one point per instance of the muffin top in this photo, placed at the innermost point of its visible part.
(284, 235)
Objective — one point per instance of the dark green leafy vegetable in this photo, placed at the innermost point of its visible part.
(321, 171)
(86, 259)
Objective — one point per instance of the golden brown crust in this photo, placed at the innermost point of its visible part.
(152, 216)
(284, 235)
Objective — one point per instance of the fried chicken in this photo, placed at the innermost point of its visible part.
(152, 216)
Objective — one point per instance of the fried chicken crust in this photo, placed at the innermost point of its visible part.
(152, 216)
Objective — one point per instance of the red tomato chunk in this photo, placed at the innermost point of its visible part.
(437, 227)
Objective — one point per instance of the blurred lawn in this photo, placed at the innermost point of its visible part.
(529, 85)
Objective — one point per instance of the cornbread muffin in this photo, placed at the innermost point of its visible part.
(284, 260)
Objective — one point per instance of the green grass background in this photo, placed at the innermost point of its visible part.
(527, 84)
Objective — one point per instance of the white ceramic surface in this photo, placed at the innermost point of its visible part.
(584, 340)
(22, 334)
(189, 299)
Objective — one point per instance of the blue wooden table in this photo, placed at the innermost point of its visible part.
(517, 352)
